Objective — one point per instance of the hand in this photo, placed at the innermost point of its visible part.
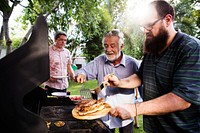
(125, 111)
(44, 88)
(111, 80)
(73, 78)
(81, 78)
(52, 79)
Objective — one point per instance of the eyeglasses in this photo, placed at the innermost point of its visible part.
(149, 27)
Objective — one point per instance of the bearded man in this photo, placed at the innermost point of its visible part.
(169, 73)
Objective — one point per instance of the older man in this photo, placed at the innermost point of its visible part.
(116, 62)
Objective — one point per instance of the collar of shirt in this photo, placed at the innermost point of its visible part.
(176, 41)
(57, 49)
(122, 62)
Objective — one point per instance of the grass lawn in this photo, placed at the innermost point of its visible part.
(74, 88)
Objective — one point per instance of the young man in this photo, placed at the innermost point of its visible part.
(116, 62)
(60, 65)
(170, 75)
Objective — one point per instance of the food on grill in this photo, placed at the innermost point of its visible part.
(59, 123)
(89, 106)
(75, 98)
(48, 124)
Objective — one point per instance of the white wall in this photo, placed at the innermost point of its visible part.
(80, 61)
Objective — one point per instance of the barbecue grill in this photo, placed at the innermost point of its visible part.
(25, 108)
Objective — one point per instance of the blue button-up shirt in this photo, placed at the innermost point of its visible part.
(98, 69)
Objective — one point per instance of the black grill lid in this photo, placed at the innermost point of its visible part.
(20, 72)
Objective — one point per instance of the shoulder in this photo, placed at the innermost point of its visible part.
(185, 44)
(50, 47)
(191, 39)
(98, 60)
(66, 50)
(190, 45)
(189, 42)
(101, 57)
(131, 59)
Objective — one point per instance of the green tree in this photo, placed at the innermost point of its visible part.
(6, 11)
(134, 37)
(134, 42)
(187, 20)
(85, 19)
(187, 16)
(90, 19)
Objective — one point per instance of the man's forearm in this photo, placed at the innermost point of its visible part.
(132, 81)
(162, 105)
(71, 71)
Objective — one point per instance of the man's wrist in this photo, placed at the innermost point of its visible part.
(118, 84)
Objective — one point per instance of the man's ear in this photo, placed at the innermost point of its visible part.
(168, 19)
(122, 46)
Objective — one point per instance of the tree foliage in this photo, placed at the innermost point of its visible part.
(187, 16)
(134, 42)
(132, 34)
(94, 45)
(85, 21)
(187, 19)
(6, 11)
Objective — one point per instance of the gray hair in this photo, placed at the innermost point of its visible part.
(115, 32)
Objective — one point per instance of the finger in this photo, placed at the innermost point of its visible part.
(112, 112)
(82, 80)
(111, 74)
(78, 79)
(105, 79)
(106, 84)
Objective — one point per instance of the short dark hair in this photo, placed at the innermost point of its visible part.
(58, 34)
(163, 8)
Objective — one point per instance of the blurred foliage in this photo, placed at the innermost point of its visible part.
(16, 42)
(86, 21)
(187, 16)
(187, 19)
(134, 42)
(133, 36)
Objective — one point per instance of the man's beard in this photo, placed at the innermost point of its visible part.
(113, 57)
(156, 44)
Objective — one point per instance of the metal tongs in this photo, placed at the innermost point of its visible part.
(85, 93)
